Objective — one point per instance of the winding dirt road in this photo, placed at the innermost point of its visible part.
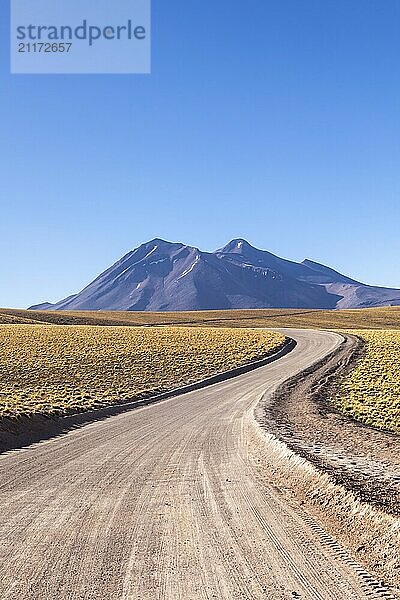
(165, 502)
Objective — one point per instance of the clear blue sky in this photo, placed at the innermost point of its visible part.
(273, 120)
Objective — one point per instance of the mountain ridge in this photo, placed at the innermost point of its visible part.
(171, 276)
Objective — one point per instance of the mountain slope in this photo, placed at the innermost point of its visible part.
(165, 276)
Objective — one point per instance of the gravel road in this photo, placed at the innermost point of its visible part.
(165, 502)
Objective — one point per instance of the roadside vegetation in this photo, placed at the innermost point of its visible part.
(53, 370)
(371, 392)
(59, 365)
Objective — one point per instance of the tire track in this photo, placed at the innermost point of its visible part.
(165, 503)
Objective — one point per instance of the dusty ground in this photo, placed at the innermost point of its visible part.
(365, 460)
(178, 500)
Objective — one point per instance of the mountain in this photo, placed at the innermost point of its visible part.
(165, 276)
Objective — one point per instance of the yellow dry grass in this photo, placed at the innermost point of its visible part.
(10, 319)
(371, 392)
(371, 318)
(56, 369)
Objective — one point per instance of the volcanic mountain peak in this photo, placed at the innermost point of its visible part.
(166, 276)
(237, 246)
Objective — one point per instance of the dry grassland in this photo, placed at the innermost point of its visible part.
(372, 318)
(371, 392)
(50, 369)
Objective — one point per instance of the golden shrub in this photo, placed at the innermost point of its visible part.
(371, 392)
(57, 369)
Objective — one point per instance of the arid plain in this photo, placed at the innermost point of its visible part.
(304, 448)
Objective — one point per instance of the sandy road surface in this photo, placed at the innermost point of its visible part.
(164, 502)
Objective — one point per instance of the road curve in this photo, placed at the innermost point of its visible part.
(164, 502)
